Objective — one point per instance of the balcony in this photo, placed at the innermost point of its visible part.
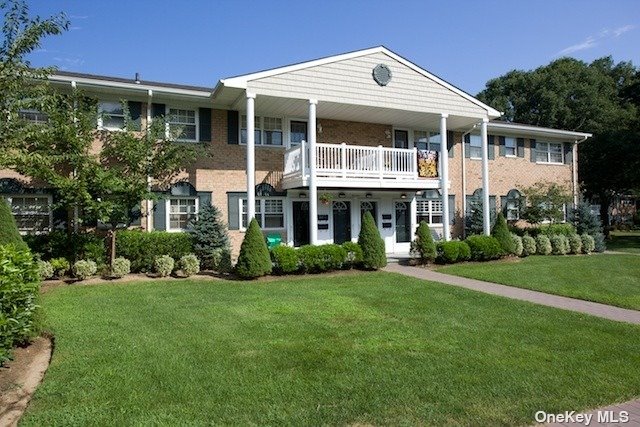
(354, 166)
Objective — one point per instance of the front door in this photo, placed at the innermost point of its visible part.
(368, 206)
(300, 223)
(341, 222)
(403, 223)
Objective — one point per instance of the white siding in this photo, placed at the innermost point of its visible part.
(350, 81)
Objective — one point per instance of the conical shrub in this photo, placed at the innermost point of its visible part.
(501, 233)
(254, 259)
(373, 254)
(9, 234)
(424, 245)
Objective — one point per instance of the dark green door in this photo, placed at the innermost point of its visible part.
(300, 223)
(341, 222)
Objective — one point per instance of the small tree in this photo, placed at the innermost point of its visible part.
(9, 234)
(209, 234)
(424, 245)
(585, 220)
(474, 222)
(545, 202)
(501, 233)
(372, 245)
(254, 259)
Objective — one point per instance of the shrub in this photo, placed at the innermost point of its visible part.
(588, 243)
(564, 229)
(9, 234)
(164, 265)
(559, 244)
(600, 245)
(60, 266)
(543, 245)
(518, 247)
(354, 254)
(221, 260)
(318, 259)
(373, 251)
(142, 248)
(453, 251)
(120, 268)
(254, 260)
(189, 265)
(423, 246)
(585, 220)
(501, 232)
(73, 247)
(285, 260)
(484, 248)
(575, 244)
(528, 245)
(209, 234)
(83, 269)
(19, 288)
(335, 256)
(44, 269)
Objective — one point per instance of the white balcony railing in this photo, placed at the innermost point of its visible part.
(342, 161)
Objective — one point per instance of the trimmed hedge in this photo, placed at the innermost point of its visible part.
(354, 254)
(565, 229)
(453, 251)
(501, 232)
(189, 265)
(484, 248)
(120, 268)
(19, 287)
(528, 245)
(164, 265)
(142, 248)
(73, 247)
(373, 251)
(575, 244)
(423, 246)
(518, 247)
(285, 260)
(254, 259)
(543, 245)
(323, 258)
(588, 243)
(84, 269)
(559, 244)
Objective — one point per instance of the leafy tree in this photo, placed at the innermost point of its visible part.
(373, 251)
(209, 234)
(423, 245)
(545, 202)
(9, 234)
(254, 259)
(501, 232)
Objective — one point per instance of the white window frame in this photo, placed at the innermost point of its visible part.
(260, 210)
(37, 113)
(471, 138)
(101, 112)
(548, 152)
(287, 126)
(259, 127)
(49, 198)
(430, 134)
(168, 212)
(168, 124)
(514, 148)
(430, 212)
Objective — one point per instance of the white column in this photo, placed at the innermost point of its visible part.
(149, 118)
(444, 177)
(486, 210)
(574, 171)
(313, 189)
(251, 164)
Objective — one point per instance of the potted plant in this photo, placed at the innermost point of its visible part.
(325, 198)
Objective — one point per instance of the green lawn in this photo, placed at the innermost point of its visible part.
(372, 348)
(624, 241)
(609, 279)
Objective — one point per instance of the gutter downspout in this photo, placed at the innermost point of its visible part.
(464, 180)
(76, 212)
(574, 171)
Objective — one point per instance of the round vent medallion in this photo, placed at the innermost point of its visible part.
(382, 74)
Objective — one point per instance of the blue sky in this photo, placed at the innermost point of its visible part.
(465, 42)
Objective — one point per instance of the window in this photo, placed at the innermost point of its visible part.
(475, 147)
(297, 132)
(111, 115)
(181, 212)
(510, 147)
(401, 139)
(33, 116)
(549, 152)
(269, 213)
(424, 140)
(183, 124)
(268, 131)
(512, 205)
(429, 211)
(32, 213)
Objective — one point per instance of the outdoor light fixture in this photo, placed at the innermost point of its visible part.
(302, 195)
(368, 195)
(341, 195)
(403, 196)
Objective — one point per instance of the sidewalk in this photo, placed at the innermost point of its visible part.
(586, 307)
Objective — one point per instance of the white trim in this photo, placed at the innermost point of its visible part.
(528, 130)
(260, 126)
(168, 211)
(196, 110)
(101, 112)
(49, 197)
(549, 162)
(260, 201)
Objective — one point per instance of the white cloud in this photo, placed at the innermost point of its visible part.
(620, 31)
(69, 61)
(593, 41)
(587, 44)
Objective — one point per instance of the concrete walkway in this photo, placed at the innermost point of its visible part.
(586, 307)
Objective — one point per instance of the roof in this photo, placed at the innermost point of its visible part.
(537, 130)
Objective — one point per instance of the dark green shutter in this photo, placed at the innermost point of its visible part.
(520, 147)
(503, 203)
(233, 208)
(135, 112)
(450, 143)
(160, 215)
(491, 147)
(568, 152)
(502, 149)
(233, 119)
(467, 146)
(532, 145)
(157, 110)
(204, 116)
(452, 209)
(204, 199)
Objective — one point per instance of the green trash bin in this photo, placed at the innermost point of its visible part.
(273, 240)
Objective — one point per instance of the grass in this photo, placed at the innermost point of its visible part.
(624, 241)
(372, 348)
(609, 279)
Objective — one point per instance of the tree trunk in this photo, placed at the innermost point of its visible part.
(112, 246)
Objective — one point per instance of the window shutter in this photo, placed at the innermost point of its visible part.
(233, 208)
(491, 147)
(233, 119)
(452, 209)
(503, 203)
(467, 146)
(157, 110)
(450, 143)
(502, 150)
(160, 215)
(568, 152)
(532, 144)
(135, 112)
(204, 117)
(520, 147)
(204, 199)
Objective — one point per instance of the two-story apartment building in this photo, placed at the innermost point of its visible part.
(307, 148)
